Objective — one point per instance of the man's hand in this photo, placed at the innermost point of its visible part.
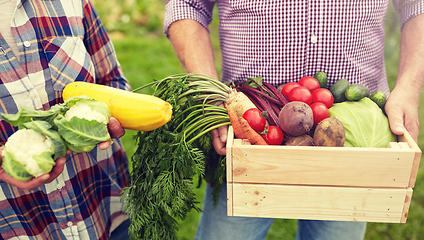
(402, 104)
(35, 182)
(115, 131)
(402, 111)
(219, 138)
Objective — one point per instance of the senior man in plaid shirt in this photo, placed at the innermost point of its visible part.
(283, 41)
(44, 45)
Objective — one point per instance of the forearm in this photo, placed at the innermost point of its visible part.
(402, 104)
(193, 47)
(411, 57)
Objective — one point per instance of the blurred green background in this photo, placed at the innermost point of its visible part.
(136, 29)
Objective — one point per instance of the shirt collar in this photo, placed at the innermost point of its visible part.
(19, 3)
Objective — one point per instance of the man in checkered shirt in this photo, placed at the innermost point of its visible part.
(283, 41)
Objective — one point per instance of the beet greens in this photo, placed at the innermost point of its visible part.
(265, 97)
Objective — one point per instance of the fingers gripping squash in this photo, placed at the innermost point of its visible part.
(134, 111)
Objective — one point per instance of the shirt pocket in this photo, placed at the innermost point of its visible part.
(68, 61)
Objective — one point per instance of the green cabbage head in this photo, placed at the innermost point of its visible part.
(365, 123)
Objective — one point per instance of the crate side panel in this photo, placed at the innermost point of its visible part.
(370, 167)
(406, 138)
(318, 203)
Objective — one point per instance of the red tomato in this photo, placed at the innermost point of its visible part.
(320, 112)
(288, 87)
(255, 120)
(323, 95)
(301, 94)
(310, 82)
(274, 136)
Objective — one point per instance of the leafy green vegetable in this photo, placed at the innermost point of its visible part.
(80, 121)
(365, 123)
(81, 135)
(168, 158)
(27, 115)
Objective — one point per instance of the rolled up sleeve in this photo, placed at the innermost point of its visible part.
(408, 9)
(200, 10)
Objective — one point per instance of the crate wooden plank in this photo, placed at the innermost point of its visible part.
(320, 203)
(406, 206)
(406, 138)
(229, 167)
(370, 167)
(229, 154)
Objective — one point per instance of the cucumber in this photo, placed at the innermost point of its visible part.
(380, 98)
(322, 79)
(356, 92)
(338, 90)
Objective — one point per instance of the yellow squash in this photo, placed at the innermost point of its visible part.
(134, 111)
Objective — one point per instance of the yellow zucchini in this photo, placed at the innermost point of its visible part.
(134, 111)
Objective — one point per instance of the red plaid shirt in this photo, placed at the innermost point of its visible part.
(59, 42)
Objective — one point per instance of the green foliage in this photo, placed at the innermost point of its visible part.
(168, 158)
(131, 16)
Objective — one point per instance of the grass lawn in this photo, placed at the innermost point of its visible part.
(151, 57)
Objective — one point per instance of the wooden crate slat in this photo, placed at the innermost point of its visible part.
(322, 166)
(319, 203)
(406, 138)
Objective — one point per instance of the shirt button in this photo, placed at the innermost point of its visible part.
(70, 224)
(32, 95)
(27, 44)
(314, 39)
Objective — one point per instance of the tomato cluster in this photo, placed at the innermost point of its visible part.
(308, 90)
(273, 135)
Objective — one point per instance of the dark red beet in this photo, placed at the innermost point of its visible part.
(296, 118)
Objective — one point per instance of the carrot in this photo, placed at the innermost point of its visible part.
(234, 119)
(250, 134)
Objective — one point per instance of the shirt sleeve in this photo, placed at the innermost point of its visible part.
(199, 10)
(99, 46)
(408, 9)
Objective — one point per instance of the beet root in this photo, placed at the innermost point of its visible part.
(296, 118)
(302, 140)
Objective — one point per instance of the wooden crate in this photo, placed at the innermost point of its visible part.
(322, 183)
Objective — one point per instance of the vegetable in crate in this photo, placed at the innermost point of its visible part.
(322, 79)
(364, 122)
(380, 98)
(31, 151)
(256, 119)
(263, 96)
(356, 91)
(329, 132)
(273, 135)
(296, 118)
(338, 90)
(302, 140)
